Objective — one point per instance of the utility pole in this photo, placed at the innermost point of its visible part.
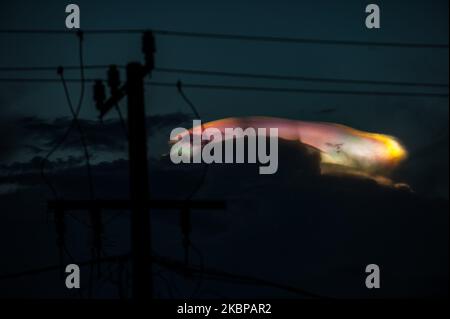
(142, 286)
(139, 188)
(137, 158)
(139, 202)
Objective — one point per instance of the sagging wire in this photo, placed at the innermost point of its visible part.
(95, 216)
(179, 268)
(75, 114)
(185, 216)
(99, 98)
(175, 292)
(59, 215)
(167, 282)
(239, 37)
(96, 220)
(109, 276)
(82, 136)
(245, 75)
(113, 82)
(46, 159)
(250, 88)
(197, 115)
(74, 123)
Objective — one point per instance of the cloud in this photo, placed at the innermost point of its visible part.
(38, 134)
(8, 139)
(427, 168)
(35, 164)
(297, 221)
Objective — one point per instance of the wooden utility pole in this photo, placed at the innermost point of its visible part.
(139, 188)
(139, 202)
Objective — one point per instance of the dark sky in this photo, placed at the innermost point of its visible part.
(417, 121)
(421, 123)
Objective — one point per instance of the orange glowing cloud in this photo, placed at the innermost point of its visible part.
(339, 146)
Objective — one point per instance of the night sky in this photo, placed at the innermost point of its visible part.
(308, 231)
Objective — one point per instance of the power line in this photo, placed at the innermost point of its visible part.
(295, 78)
(297, 40)
(38, 271)
(249, 88)
(74, 123)
(226, 276)
(42, 80)
(299, 90)
(187, 100)
(52, 68)
(241, 75)
(239, 37)
(202, 179)
(185, 215)
(177, 266)
(77, 124)
(70, 32)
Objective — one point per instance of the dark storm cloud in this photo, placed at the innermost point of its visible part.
(35, 164)
(320, 219)
(7, 139)
(294, 158)
(434, 156)
(109, 135)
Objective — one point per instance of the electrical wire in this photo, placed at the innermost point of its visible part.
(239, 37)
(75, 112)
(73, 122)
(220, 275)
(295, 78)
(177, 266)
(300, 90)
(297, 40)
(188, 102)
(200, 183)
(166, 281)
(197, 115)
(43, 80)
(266, 89)
(81, 133)
(52, 68)
(243, 75)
